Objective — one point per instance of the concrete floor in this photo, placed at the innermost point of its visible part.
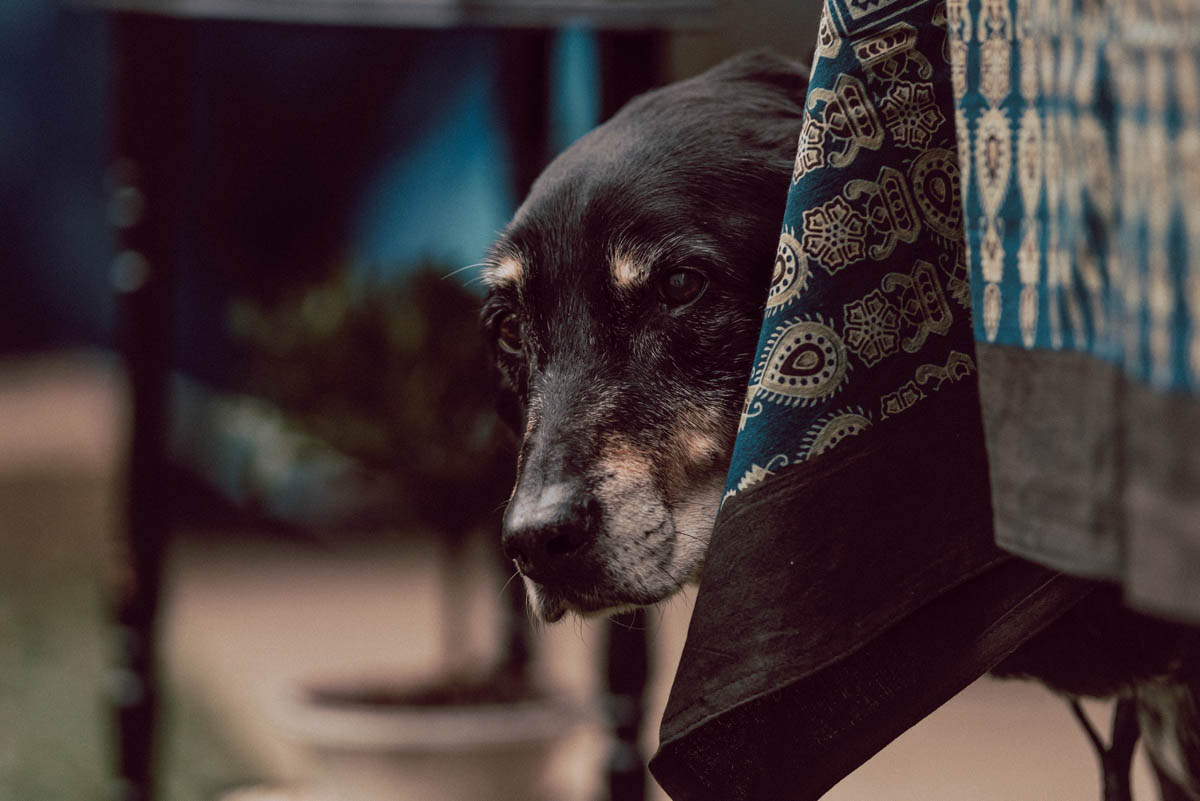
(249, 621)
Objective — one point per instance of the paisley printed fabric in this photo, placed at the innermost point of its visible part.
(852, 581)
(868, 311)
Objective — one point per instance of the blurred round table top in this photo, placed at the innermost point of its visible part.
(612, 14)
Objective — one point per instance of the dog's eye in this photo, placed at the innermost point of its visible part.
(509, 332)
(680, 287)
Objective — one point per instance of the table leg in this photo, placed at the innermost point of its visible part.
(147, 136)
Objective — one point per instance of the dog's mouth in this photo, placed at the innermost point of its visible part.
(634, 549)
(551, 603)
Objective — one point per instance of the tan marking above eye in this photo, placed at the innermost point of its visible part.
(628, 272)
(504, 272)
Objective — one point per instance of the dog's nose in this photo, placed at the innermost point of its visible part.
(543, 532)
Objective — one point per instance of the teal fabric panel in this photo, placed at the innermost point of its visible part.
(868, 312)
(1079, 127)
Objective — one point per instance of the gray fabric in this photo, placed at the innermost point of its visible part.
(1093, 474)
(1162, 502)
(1052, 420)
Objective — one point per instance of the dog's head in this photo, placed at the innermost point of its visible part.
(624, 305)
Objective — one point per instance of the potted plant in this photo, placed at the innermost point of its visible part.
(396, 377)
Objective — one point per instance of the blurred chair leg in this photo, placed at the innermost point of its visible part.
(631, 62)
(146, 139)
(1116, 759)
(627, 672)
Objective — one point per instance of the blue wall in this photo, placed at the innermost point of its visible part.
(54, 244)
(278, 194)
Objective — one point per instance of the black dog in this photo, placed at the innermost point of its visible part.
(625, 301)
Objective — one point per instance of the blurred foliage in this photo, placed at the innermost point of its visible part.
(396, 376)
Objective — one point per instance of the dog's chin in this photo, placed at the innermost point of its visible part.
(547, 607)
(552, 607)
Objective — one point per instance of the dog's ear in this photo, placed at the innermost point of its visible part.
(765, 68)
(755, 103)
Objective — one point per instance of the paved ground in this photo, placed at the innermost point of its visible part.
(250, 620)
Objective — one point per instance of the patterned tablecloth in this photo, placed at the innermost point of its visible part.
(1042, 167)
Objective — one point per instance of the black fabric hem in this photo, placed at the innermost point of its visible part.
(843, 600)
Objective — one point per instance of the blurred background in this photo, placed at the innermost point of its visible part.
(250, 480)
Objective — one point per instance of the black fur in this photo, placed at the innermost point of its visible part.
(697, 170)
(694, 175)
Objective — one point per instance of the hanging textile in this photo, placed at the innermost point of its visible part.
(1079, 125)
(852, 583)
(897, 449)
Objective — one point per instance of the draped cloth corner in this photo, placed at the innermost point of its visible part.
(975, 384)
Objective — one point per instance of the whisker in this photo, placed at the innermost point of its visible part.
(510, 580)
(535, 622)
(627, 626)
(453, 273)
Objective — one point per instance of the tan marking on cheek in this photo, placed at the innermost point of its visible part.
(629, 272)
(623, 465)
(700, 448)
(505, 271)
(625, 488)
(700, 442)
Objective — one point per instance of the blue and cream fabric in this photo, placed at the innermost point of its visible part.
(1002, 191)
(1079, 132)
(869, 308)
(1079, 141)
(981, 341)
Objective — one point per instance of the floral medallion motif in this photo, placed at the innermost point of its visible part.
(911, 114)
(834, 235)
(872, 327)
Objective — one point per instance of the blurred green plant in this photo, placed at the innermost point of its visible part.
(395, 376)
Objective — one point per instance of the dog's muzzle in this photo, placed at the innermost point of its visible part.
(548, 534)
